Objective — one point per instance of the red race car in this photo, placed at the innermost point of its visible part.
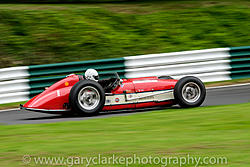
(77, 94)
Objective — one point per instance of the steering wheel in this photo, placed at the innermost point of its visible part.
(113, 85)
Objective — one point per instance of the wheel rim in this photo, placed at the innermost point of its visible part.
(88, 98)
(191, 92)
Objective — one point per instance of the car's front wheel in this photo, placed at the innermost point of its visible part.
(87, 97)
(189, 92)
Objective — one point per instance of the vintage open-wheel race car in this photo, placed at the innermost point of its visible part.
(77, 95)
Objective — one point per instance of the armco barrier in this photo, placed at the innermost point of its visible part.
(240, 62)
(200, 63)
(13, 73)
(45, 75)
(21, 83)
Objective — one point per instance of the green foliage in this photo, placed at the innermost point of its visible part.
(203, 131)
(60, 1)
(71, 33)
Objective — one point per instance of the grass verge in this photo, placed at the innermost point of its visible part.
(203, 131)
(11, 105)
(229, 82)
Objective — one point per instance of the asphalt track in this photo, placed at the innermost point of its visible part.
(215, 96)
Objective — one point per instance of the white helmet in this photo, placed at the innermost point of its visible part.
(92, 74)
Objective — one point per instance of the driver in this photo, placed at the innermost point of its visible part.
(107, 84)
(92, 74)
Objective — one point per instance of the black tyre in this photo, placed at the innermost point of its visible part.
(87, 97)
(189, 92)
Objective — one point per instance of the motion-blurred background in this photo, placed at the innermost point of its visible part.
(52, 31)
(34, 32)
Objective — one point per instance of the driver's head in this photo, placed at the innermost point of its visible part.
(92, 74)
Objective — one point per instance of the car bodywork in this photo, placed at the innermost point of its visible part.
(128, 94)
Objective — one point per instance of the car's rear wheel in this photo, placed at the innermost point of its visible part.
(189, 92)
(87, 97)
